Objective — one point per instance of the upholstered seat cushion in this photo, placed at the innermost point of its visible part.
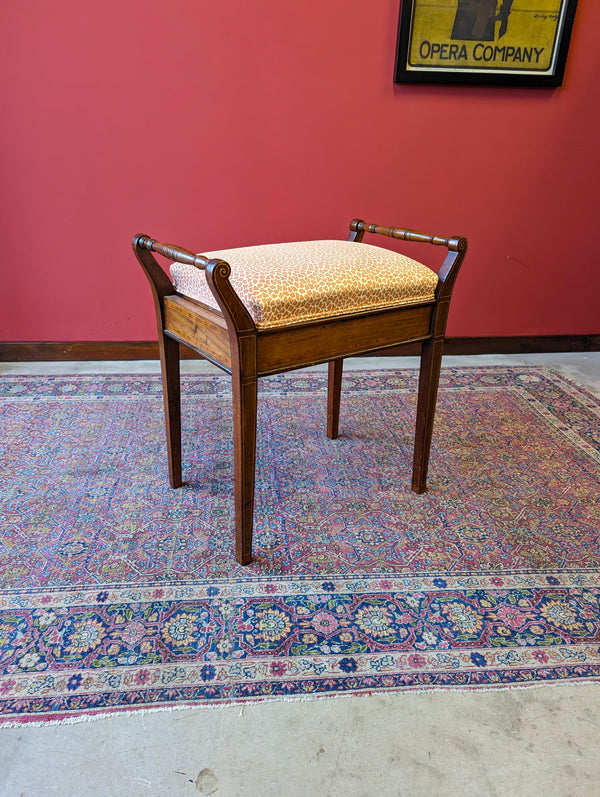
(291, 283)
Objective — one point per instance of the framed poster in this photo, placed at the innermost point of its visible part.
(485, 42)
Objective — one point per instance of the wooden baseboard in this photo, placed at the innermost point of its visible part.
(535, 344)
(81, 350)
(148, 350)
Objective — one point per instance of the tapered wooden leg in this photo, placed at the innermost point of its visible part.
(244, 447)
(431, 360)
(334, 390)
(169, 360)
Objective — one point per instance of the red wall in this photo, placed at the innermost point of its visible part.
(218, 124)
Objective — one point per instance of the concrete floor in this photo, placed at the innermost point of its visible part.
(513, 743)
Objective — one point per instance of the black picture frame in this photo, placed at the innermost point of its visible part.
(483, 42)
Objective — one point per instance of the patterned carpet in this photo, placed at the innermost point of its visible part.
(118, 593)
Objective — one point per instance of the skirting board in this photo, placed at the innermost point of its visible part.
(148, 350)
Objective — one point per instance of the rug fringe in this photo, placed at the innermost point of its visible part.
(243, 702)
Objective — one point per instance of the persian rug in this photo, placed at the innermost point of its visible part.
(118, 593)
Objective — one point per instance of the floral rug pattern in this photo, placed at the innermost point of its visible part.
(117, 592)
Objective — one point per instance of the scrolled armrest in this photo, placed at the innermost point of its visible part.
(171, 252)
(454, 244)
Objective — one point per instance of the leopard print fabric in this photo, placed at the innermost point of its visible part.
(291, 283)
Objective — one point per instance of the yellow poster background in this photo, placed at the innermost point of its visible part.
(471, 34)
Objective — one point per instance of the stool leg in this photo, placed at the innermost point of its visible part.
(244, 449)
(431, 360)
(334, 390)
(169, 361)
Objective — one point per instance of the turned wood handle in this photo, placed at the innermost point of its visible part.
(172, 252)
(454, 244)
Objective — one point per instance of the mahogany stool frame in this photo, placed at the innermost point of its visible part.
(231, 340)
